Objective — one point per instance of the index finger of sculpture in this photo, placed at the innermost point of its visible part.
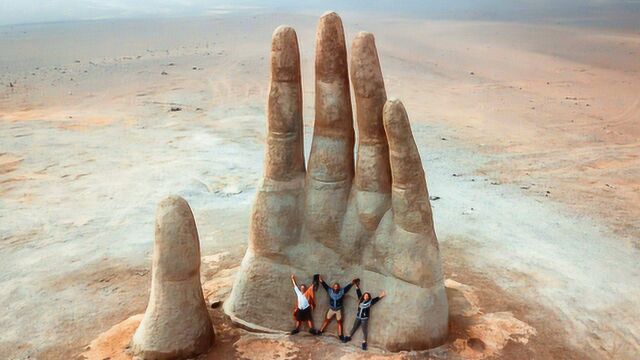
(274, 221)
(372, 167)
(276, 218)
(409, 196)
(331, 158)
(284, 158)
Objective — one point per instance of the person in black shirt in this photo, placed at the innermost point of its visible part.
(336, 297)
(362, 316)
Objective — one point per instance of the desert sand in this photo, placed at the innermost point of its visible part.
(528, 132)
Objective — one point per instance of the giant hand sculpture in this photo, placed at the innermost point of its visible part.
(374, 223)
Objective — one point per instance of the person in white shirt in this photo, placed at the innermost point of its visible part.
(304, 307)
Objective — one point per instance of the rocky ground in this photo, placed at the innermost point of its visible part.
(477, 334)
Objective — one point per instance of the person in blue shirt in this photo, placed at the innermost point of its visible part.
(336, 296)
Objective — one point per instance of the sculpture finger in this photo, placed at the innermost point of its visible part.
(275, 219)
(330, 170)
(409, 196)
(372, 167)
(176, 322)
(276, 216)
(331, 158)
(372, 174)
(284, 158)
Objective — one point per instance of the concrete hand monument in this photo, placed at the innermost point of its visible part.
(176, 324)
(370, 218)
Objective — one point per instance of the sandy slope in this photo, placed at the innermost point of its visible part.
(529, 136)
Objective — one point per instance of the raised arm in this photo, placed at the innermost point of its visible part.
(293, 281)
(348, 287)
(324, 284)
(378, 298)
(358, 292)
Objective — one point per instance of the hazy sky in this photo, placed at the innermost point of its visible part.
(30, 11)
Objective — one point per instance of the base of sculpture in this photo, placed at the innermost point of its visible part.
(391, 327)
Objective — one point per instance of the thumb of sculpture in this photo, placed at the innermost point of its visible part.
(176, 324)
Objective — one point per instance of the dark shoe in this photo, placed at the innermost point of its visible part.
(313, 331)
(341, 337)
(364, 346)
(346, 339)
(295, 331)
(320, 332)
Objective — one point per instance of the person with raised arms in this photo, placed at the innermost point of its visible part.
(336, 295)
(305, 305)
(362, 316)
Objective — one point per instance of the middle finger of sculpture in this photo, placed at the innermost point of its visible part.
(371, 218)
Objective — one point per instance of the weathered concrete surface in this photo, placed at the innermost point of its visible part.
(370, 218)
(176, 324)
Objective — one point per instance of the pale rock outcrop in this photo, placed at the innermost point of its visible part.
(370, 218)
(176, 324)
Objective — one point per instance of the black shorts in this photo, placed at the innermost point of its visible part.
(304, 315)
